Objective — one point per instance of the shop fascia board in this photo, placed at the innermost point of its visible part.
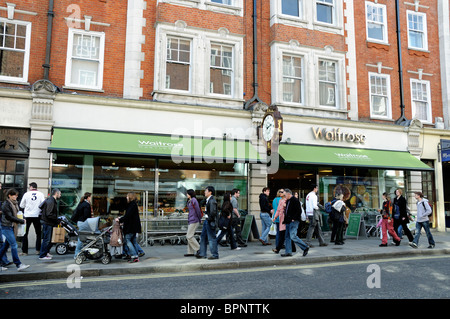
(153, 105)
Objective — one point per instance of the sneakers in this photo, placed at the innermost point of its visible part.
(413, 244)
(431, 246)
(134, 260)
(22, 267)
(45, 258)
(3, 269)
(237, 248)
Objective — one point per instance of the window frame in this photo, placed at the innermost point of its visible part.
(425, 30)
(302, 78)
(69, 61)
(166, 60)
(26, 62)
(388, 96)
(301, 10)
(384, 24)
(336, 83)
(429, 119)
(232, 69)
(333, 12)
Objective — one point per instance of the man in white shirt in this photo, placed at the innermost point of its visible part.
(30, 204)
(313, 214)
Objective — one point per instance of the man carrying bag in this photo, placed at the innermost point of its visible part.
(49, 219)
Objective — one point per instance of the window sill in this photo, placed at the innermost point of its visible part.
(326, 27)
(14, 81)
(378, 45)
(224, 8)
(380, 118)
(197, 99)
(419, 52)
(76, 88)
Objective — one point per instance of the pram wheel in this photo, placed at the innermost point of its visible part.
(61, 249)
(106, 259)
(80, 258)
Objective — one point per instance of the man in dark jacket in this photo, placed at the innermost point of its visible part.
(49, 220)
(292, 219)
(209, 226)
(265, 215)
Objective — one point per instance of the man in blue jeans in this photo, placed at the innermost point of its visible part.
(292, 220)
(265, 215)
(49, 220)
(208, 235)
(423, 220)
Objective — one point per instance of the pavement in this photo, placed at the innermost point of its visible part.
(169, 258)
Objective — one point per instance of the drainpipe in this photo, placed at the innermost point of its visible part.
(402, 120)
(255, 97)
(50, 15)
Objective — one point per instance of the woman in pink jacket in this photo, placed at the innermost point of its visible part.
(281, 211)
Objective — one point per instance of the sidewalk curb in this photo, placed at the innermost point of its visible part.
(215, 265)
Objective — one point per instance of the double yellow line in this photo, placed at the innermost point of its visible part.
(217, 272)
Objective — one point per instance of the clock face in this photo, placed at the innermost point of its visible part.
(268, 127)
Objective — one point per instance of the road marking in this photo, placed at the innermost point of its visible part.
(216, 272)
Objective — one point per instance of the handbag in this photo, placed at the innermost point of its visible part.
(223, 222)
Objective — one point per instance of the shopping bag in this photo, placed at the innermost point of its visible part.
(21, 228)
(58, 235)
(273, 229)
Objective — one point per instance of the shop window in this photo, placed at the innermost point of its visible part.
(85, 55)
(12, 175)
(14, 50)
(376, 22)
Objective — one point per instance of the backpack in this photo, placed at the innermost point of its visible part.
(431, 206)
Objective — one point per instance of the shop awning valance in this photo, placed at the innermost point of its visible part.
(179, 148)
(355, 157)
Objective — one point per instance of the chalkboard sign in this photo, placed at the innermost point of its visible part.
(247, 227)
(356, 226)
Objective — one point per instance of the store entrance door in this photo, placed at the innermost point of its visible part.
(300, 180)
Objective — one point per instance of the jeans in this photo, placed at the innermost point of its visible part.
(266, 222)
(4, 260)
(426, 226)
(47, 231)
(208, 236)
(132, 245)
(10, 241)
(291, 236)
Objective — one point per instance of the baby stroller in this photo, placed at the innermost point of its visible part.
(70, 241)
(95, 242)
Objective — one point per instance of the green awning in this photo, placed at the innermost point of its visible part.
(179, 148)
(355, 157)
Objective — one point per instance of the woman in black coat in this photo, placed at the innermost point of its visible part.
(403, 220)
(131, 226)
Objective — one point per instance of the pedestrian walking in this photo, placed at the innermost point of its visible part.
(423, 220)
(265, 215)
(49, 220)
(314, 216)
(82, 212)
(9, 222)
(387, 222)
(292, 220)
(194, 219)
(131, 226)
(276, 220)
(281, 226)
(236, 218)
(227, 210)
(31, 212)
(339, 218)
(401, 215)
(208, 235)
(4, 261)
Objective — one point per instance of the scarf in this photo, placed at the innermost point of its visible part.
(15, 209)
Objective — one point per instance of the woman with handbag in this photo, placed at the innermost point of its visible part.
(225, 222)
(400, 215)
(339, 208)
(10, 208)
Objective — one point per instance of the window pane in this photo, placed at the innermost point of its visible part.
(177, 76)
(416, 39)
(375, 31)
(290, 7)
(324, 13)
(20, 166)
(11, 63)
(227, 2)
(327, 92)
(379, 105)
(292, 90)
(84, 73)
(86, 46)
(421, 110)
(220, 81)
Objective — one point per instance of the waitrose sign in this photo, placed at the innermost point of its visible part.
(178, 148)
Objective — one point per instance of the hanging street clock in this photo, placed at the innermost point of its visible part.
(272, 129)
